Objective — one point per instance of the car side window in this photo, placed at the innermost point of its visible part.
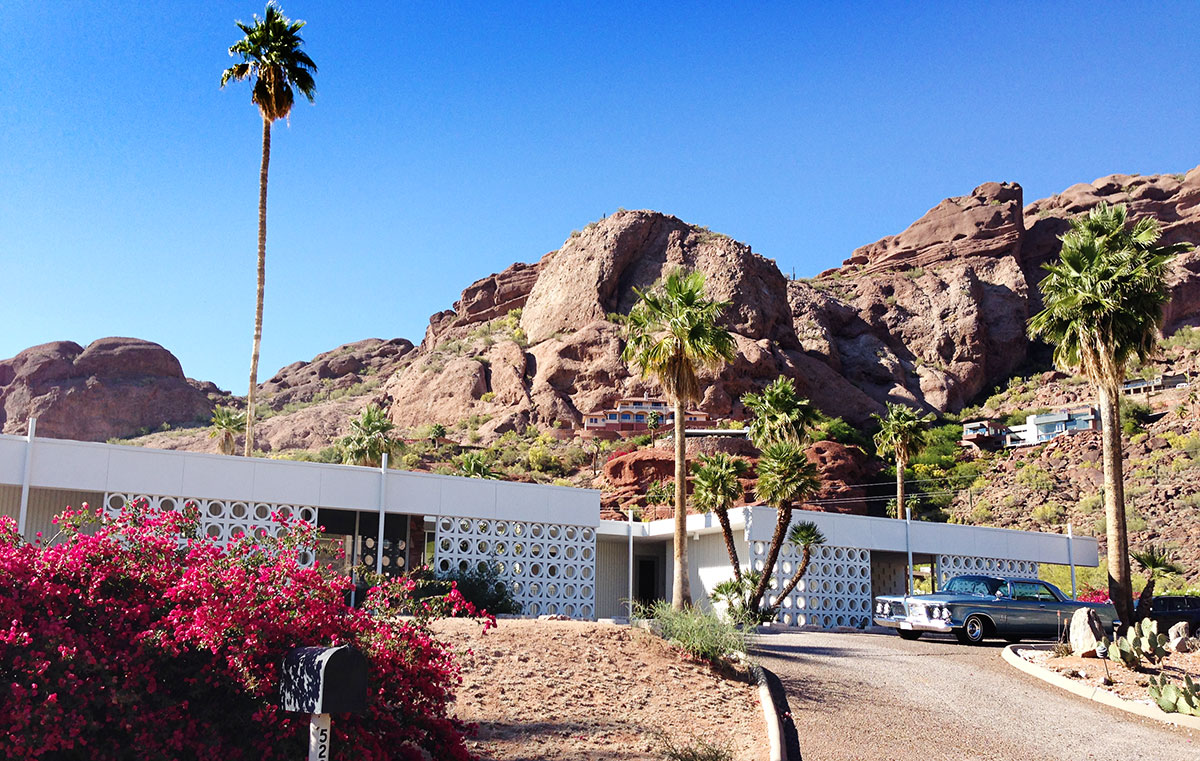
(1032, 592)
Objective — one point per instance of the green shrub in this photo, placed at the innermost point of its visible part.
(541, 460)
(1090, 504)
(641, 440)
(1036, 479)
(1049, 513)
(481, 585)
(1184, 338)
(981, 513)
(702, 635)
(487, 396)
(694, 750)
(1134, 416)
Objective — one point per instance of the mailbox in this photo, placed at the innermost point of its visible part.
(322, 680)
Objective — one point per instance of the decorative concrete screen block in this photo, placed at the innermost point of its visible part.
(949, 566)
(223, 519)
(550, 567)
(394, 552)
(835, 590)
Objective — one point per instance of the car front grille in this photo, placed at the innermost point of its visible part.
(897, 610)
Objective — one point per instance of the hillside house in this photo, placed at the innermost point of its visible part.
(1154, 385)
(630, 416)
(1037, 428)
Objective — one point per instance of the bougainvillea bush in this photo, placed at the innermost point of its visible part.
(139, 639)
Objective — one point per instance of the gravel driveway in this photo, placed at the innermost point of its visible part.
(876, 697)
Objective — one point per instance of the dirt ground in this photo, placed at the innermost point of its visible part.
(1128, 684)
(577, 690)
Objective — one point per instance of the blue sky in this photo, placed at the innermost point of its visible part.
(452, 139)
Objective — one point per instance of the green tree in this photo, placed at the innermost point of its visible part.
(778, 414)
(435, 433)
(716, 486)
(901, 434)
(1158, 563)
(671, 334)
(660, 493)
(785, 476)
(1103, 309)
(226, 424)
(271, 55)
(370, 438)
(804, 535)
(653, 423)
(476, 465)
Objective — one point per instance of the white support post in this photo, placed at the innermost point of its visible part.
(319, 737)
(383, 469)
(908, 546)
(631, 566)
(1071, 557)
(23, 513)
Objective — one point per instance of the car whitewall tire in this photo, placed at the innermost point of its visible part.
(972, 631)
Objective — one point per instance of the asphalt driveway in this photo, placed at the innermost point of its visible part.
(876, 697)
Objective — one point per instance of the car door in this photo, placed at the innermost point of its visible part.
(1036, 609)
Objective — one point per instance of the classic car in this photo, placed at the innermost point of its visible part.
(974, 608)
(1169, 610)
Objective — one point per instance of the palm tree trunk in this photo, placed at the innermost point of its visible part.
(262, 276)
(792, 582)
(1119, 588)
(782, 521)
(681, 590)
(727, 532)
(900, 465)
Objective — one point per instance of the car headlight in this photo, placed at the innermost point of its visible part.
(946, 613)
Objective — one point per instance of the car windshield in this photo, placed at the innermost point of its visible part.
(968, 585)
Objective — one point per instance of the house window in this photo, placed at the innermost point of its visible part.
(612, 416)
(640, 417)
(626, 416)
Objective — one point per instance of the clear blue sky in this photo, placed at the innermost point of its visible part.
(452, 139)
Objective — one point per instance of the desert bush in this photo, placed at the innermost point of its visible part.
(481, 585)
(142, 640)
(1035, 479)
(672, 749)
(1049, 513)
(702, 635)
(1090, 504)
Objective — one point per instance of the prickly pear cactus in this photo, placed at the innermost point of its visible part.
(1127, 650)
(1151, 644)
(1174, 698)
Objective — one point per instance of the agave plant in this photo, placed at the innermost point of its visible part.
(476, 465)
(1157, 562)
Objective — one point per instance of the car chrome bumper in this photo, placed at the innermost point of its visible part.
(916, 626)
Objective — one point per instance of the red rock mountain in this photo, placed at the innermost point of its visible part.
(933, 316)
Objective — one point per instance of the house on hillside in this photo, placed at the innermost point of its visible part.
(630, 416)
(1154, 385)
(1037, 428)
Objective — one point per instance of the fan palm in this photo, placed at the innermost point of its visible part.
(804, 535)
(436, 433)
(1103, 308)
(785, 476)
(901, 434)
(716, 483)
(778, 414)
(1157, 563)
(369, 439)
(226, 424)
(672, 333)
(270, 55)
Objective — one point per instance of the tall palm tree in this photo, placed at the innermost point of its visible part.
(370, 438)
(671, 334)
(270, 55)
(226, 424)
(1103, 308)
(901, 434)
(804, 535)
(785, 476)
(779, 414)
(716, 487)
(1158, 563)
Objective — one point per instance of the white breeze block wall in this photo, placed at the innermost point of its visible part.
(550, 567)
(949, 566)
(835, 590)
(222, 519)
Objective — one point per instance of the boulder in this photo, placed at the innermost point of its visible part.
(1178, 636)
(1086, 632)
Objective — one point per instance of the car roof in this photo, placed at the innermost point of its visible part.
(1000, 578)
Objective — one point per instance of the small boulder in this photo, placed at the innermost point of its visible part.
(1086, 632)
(1178, 637)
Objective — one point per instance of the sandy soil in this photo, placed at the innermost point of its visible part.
(1128, 684)
(576, 690)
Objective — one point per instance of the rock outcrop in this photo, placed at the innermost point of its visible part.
(115, 387)
(348, 367)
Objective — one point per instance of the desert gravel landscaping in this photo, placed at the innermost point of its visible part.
(578, 690)
(869, 697)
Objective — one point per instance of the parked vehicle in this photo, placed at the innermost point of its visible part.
(973, 608)
(1169, 610)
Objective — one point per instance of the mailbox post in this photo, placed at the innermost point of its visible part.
(320, 681)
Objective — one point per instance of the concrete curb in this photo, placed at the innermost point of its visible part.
(782, 738)
(1096, 694)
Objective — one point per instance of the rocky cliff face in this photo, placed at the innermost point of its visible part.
(114, 387)
(931, 316)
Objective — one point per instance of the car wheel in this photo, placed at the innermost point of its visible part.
(909, 634)
(972, 631)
